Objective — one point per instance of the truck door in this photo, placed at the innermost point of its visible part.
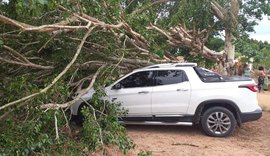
(134, 93)
(171, 92)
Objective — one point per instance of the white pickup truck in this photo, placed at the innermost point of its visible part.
(183, 94)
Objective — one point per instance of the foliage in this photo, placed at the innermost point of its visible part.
(25, 137)
(263, 57)
(101, 128)
(101, 125)
(189, 13)
(143, 153)
(30, 130)
(257, 51)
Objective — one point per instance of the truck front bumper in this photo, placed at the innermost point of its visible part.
(251, 116)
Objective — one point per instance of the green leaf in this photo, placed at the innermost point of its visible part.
(43, 2)
(159, 52)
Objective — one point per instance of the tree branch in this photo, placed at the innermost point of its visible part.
(56, 127)
(95, 118)
(57, 78)
(218, 10)
(46, 43)
(25, 64)
(43, 28)
(137, 40)
(141, 42)
(234, 11)
(14, 52)
(23, 60)
(156, 2)
(78, 97)
(179, 37)
(235, 7)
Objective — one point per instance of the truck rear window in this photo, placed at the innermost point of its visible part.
(208, 75)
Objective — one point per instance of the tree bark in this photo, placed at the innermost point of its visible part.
(229, 50)
(230, 20)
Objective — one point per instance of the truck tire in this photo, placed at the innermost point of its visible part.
(218, 122)
(79, 118)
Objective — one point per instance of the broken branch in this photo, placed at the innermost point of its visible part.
(78, 97)
(57, 78)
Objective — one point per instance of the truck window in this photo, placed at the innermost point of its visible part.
(167, 77)
(139, 79)
(208, 75)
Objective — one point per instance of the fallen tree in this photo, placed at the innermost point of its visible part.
(49, 50)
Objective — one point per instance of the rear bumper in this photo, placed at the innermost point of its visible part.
(251, 116)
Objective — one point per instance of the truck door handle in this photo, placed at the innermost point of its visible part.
(113, 99)
(143, 92)
(183, 90)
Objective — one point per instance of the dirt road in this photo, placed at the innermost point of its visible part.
(251, 138)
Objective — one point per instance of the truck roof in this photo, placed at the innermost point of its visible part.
(171, 65)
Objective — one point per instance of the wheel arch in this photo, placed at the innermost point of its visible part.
(78, 118)
(230, 105)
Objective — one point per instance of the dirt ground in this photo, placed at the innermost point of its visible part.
(252, 138)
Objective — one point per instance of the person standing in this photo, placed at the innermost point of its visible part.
(266, 82)
(261, 76)
(248, 71)
(215, 69)
(268, 75)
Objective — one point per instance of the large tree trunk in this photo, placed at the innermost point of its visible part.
(230, 17)
(229, 51)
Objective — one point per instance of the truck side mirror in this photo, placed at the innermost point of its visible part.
(117, 86)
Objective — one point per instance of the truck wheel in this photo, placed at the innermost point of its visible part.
(79, 118)
(218, 122)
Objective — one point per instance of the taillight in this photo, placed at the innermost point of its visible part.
(251, 87)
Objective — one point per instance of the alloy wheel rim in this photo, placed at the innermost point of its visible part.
(218, 123)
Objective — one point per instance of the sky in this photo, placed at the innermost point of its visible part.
(262, 31)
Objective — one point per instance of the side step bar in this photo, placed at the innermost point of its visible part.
(155, 123)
